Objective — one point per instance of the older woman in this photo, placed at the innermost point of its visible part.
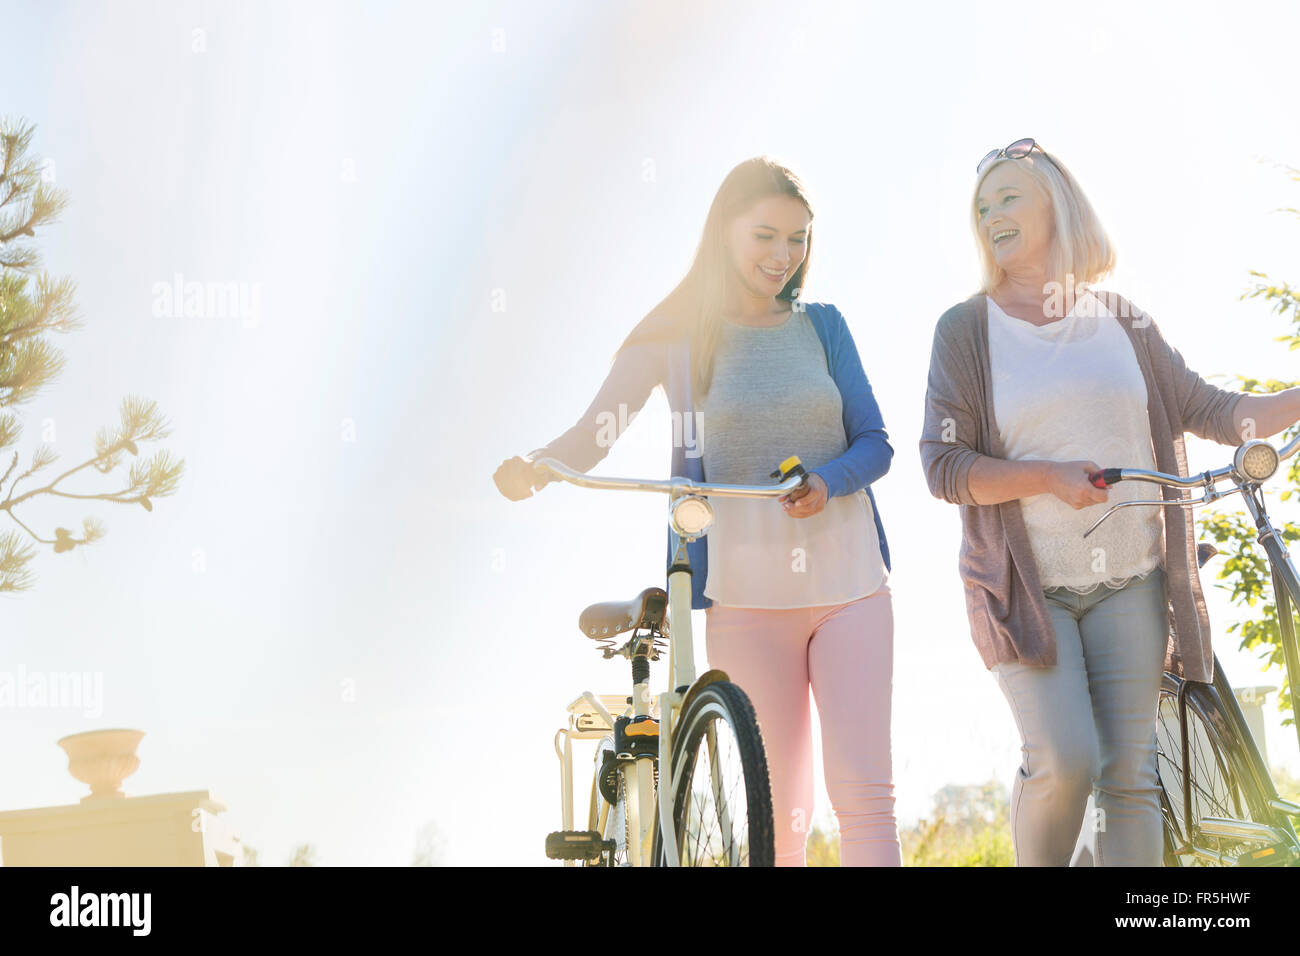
(1035, 382)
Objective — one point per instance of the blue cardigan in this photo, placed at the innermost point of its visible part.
(640, 367)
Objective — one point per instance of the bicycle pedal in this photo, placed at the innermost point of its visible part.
(1277, 854)
(576, 845)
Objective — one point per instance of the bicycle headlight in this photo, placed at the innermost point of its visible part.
(691, 516)
(1256, 460)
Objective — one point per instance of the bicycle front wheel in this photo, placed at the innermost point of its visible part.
(1219, 771)
(721, 800)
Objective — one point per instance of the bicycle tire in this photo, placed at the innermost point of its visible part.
(1225, 780)
(721, 706)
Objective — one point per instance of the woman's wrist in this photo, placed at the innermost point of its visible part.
(540, 479)
(1041, 476)
(994, 480)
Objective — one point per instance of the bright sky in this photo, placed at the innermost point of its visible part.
(383, 175)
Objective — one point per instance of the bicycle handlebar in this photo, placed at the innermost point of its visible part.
(1109, 476)
(673, 486)
(1206, 480)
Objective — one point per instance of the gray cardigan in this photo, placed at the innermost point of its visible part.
(1008, 611)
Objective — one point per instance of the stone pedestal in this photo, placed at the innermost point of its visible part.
(165, 829)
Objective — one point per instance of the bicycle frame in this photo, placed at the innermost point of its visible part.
(682, 680)
(1286, 592)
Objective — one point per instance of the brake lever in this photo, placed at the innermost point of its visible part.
(1180, 502)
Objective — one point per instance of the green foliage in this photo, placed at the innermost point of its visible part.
(823, 847)
(969, 826)
(1245, 573)
(304, 854)
(1249, 584)
(1288, 786)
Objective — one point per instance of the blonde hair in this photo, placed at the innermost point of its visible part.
(694, 308)
(1080, 246)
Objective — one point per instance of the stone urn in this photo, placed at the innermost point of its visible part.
(103, 759)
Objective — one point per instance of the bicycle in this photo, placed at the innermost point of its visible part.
(1218, 803)
(718, 805)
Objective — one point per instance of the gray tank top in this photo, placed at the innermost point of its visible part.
(772, 396)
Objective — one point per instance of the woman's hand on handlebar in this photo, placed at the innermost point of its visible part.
(806, 500)
(1068, 480)
(517, 478)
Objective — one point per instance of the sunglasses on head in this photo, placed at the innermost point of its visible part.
(1017, 150)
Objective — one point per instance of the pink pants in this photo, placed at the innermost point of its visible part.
(845, 652)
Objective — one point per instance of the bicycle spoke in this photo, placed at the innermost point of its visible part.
(1215, 789)
(715, 815)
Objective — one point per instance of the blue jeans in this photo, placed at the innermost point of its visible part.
(1088, 727)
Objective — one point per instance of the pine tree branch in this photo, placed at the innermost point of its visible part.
(29, 530)
(37, 203)
(10, 429)
(156, 477)
(9, 502)
(32, 304)
(14, 559)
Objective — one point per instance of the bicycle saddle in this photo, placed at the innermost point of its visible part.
(608, 618)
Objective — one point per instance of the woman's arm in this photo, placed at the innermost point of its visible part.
(949, 432)
(1209, 411)
(956, 472)
(869, 453)
(1260, 416)
(994, 480)
(635, 373)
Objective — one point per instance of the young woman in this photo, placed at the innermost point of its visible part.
(1035, 383)
(795, 590)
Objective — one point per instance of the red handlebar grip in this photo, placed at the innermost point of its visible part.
(1107, 477)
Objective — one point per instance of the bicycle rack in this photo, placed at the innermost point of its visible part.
(590, 718)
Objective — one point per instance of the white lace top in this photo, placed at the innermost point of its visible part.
(1069, 390)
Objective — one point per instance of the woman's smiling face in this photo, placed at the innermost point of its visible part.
(768, 243)
(1015, 219)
